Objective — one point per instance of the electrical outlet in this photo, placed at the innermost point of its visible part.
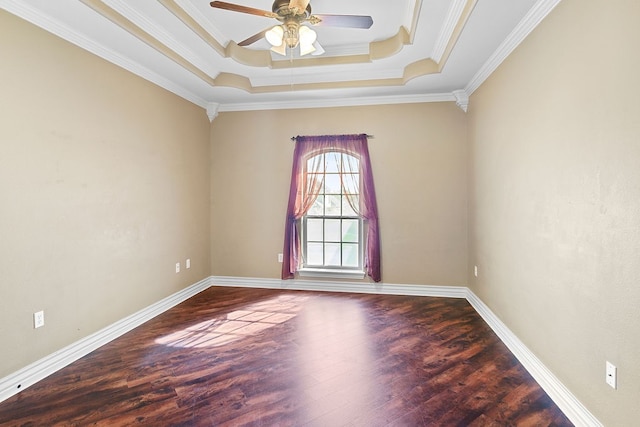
(177, 267)
(612, 375)
(38, 319)
(280, 258)
(187, 264)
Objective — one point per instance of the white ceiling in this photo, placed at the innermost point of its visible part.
(416, 50)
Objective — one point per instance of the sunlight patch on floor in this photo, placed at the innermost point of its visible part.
(238, 324)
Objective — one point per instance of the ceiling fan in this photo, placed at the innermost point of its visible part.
(291, 33)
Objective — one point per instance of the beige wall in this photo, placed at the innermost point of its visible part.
(418, 158)
(104, 180)
(107, 181)
(555, 199)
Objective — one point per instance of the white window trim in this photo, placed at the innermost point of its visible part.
(332, 273)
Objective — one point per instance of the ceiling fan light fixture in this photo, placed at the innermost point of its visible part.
(290, 36)
(306, 49)
(307, 35)
(280, 50)
(275, 36)
(291, 33)
(307, 39)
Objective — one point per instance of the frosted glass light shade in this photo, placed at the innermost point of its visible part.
(274, 35)
(280, 50)
(306, 48)
(307, 35)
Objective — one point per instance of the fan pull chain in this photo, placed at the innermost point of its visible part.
(291, 67)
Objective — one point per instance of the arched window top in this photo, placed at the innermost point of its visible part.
(346, 150)
(332, 161)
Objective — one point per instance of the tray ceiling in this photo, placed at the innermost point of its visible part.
(415, 51)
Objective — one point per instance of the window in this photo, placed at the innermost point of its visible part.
(332, 216)
(331, 229)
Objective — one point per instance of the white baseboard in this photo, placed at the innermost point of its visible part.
(31, 374)
(332, 286)
(566, 401)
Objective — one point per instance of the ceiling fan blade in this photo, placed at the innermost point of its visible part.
(299, 5)
(254, 38)
(243, 9)
(345, 21)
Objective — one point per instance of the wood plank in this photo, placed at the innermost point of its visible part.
(241, 356)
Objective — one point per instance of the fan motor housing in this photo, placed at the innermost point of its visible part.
(281, 8)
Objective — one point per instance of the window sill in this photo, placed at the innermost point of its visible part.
(331, 273)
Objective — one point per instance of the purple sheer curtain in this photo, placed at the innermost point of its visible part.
(304, 191)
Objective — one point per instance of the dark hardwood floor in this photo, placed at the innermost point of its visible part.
(235, 357)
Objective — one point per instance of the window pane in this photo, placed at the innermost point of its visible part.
(332, 184)
(350, 254)
(316, 164)
(318, 207)
(332, 254)
(332, 205)
(332, 162)
(350, 230)
(350, 164)
(317, 177)
(332, 230)
(314, 229)
(346, 207)
(351, 183)
(314, 254)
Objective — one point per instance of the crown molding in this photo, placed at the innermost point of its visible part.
(339, 102)
(27, 12)
(531, 20)
(57, 28)
(462, 99)
(446, 32)
(160, 35)
(202, 20)
(331, 51)
(212, 110)
(139, 27)
(412, 15)
(345, 74)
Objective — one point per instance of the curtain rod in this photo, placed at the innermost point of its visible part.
(294, 138)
